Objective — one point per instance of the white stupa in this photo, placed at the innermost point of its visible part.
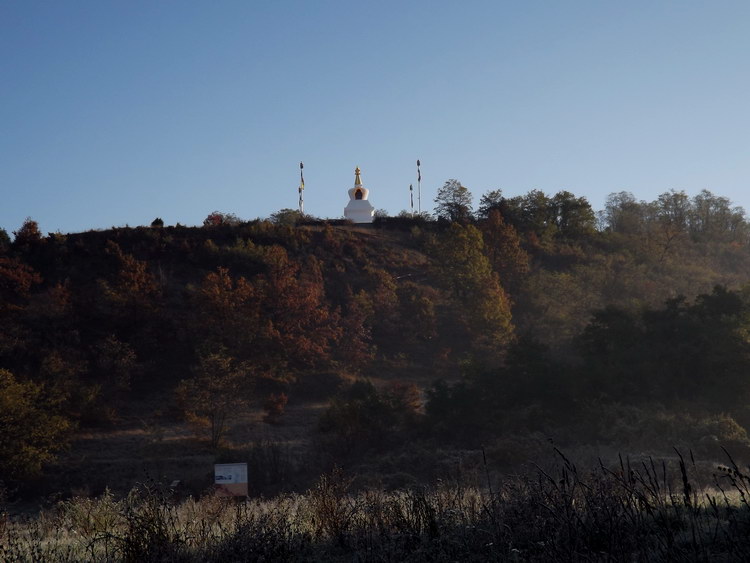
(359, 210)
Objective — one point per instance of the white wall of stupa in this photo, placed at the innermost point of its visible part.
(359, 209)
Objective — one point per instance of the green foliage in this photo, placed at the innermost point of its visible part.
(4, 240)
(288, 217)
(491, 201)
(529, 392)
(561, 216)
(453, 202)
(684, 355)
(574, 217)
(464, 269)
(534, 213)
(30, 430)
(696, 352)
(363, 417)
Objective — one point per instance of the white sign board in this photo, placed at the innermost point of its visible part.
(230, 473)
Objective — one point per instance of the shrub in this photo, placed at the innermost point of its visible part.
(274, 407)
(217, 218)
(362, 416)
(30, 431)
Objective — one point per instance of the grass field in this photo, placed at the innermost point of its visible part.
(631, 511)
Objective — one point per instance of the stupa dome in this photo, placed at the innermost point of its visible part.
(359, 209)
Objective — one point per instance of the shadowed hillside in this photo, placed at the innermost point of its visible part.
(393, 348)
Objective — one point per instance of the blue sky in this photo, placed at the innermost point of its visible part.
(114, 113)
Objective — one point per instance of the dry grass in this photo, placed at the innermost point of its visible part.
(629, 512)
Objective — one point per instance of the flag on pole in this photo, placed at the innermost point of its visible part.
(419, 188)
(301, 189)
(411, 197)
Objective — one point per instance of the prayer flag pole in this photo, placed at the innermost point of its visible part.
(419, 188)
(301, 190)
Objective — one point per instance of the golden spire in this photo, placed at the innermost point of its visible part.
(357, 179)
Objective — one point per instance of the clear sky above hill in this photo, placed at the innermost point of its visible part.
(114, 113)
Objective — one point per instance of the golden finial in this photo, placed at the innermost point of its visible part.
(357, 179)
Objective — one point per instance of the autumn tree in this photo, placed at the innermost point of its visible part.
(218, 218)
(19, 343)
(294, 302)
(355, 348)
(453, 202)
(380, 287)
(228, 310)
(217, 393)
(279, 319)
(133, 291)
(502, 246)
(16, 281)
(28, 235)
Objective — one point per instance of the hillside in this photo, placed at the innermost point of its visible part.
(395, 349)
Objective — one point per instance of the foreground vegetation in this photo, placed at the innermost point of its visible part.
(633, 511)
